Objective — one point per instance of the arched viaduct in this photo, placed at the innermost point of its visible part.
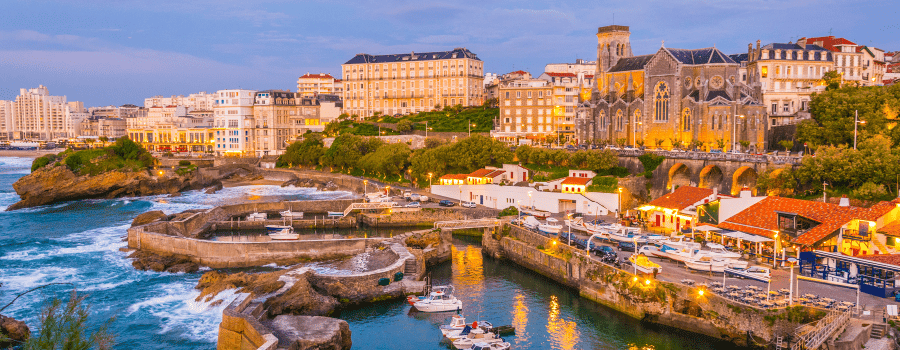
(726, 172)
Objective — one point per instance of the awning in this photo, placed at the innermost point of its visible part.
(746, 237)
(706, 228)
(855, 260)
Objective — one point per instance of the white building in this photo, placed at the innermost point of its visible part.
(198, 101)
(233, 121)
(35, 115)
(873, 66)
(501, 197)
(580, 66)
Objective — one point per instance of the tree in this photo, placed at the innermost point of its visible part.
(90, 142)
(404, 126)
(104, 139)
(523, 154)
(658, 142)
(304, 152)
(786, 144)
(745, 145)
(347, 149)
(720, 143)
(777, 182)
(387, 160)
(832, 80)
(871, 192)
(621, 141)
(433, 142)
(65, 327)
(676, 143)
(834, 113)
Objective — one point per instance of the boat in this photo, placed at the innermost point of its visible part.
(757, 273)
(281, 232)
(626, 236)
(530, 222)
(644, 265)
(490, 346)
(551, 227)
(679, 241)
(335, 214)
(576, 224)
(540, 214)
(713, 264)
(291, 214)
(476, 335)
(453, 331)
(257, 217)
(718, 250)
(677, 254)
(439, 300)
(649, 250)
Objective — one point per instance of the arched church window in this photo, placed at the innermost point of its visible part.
(602, 120)
(661, 97)
(619, 120)
(686, 119)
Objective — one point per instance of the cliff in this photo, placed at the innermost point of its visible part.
(57, 183)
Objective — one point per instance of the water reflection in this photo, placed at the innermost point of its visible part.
(563, 333)
(520, 318)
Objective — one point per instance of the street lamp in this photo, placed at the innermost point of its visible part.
(366, 187)
(429, 179)
(734, 130)
(619, 209)
(532, 200)
(634, 132)
(856, 122)
(426, 129)
(470, 127)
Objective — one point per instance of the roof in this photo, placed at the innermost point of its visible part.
(560, 74)
(890, 259)
(412, 56)
(520, 72)
(829, 42)
(682, 197)
(495, 173)
(700, 56)
(762, 217)
(317, 76)
(892, 229)
(480, 173)
(631, 63)
(740, 57)
(580, 181)
(718, 93)
(454, 177)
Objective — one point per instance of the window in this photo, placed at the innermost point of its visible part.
(619, 120)
(686, 119)
(786, 108)
(774, 107)
(765, 72)
(662, 102)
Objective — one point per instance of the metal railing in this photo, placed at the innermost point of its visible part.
(752, 158)
(365, 206)
(462, 224)
(812, 335)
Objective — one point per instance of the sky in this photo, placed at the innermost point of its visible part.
(113, 52)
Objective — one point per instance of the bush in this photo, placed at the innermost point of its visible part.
(651, 161)
(509, 211)
(168, 155)
(871, 192)
(184, 162)
(42, 161)
(605, 184)
(614, 171)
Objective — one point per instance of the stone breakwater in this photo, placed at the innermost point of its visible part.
(664, 303)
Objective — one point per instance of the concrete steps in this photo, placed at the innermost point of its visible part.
(410, 268)
(879, 330)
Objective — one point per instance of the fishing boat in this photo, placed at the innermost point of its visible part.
(257, 217)
(530, 222)
(476, 335)
(756, 273)
(291, 214)
(489, 346)
(713, 264)
(678, 254)
(281, 232)
(552, 227)
(644, 265)
(576, 224)
(626, 236)
(458, 323)
(439, 300)
(540, 214)
(718, 250)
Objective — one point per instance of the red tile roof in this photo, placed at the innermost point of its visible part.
(496, 173)
(519, 72)
(480, 173)
(321, 75)
(454, 177)
(683, 197)
(829, 42)
(580, 181)
(762, 219)
(892, 229)
(891, 259)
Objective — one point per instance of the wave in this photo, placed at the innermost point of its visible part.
(175, 305)
(15, 165)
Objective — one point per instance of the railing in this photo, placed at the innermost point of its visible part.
(462, 224)
(365, 206)
(752, 158)
(812, 335)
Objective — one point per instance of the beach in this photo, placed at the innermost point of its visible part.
(28, 154)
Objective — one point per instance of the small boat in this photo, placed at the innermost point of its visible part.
(712, 264)
(458, 323)
(489, 346)
(551, 227)
(439, 300)
(576, 224)
(644, 265)
(677, 254)
(718, 250)
(257, 217)
(626, 236)
(540, 214)
(333, 214)
(291, 214)
(476, 335)
(757, 273)
(281, 232)
(530, 222)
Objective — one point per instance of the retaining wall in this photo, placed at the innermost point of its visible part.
(364, 286)
(244, 332)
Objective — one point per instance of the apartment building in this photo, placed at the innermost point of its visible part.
(580, 66)
(411, 83)
(310, 85)
(569, 89)
(6, 110)
(784, 76)
(233, 121)
(111, 128)
(873, 65)
(526, 112)
(173, 129)
(273, 111)
(847, 59)
(35, 115)
(124, 111)
(200, 100)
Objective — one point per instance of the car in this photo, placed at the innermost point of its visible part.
(605, 252)
(626, 246)
(469, 204)
(413, 205)
(414, 197)
(446, 203)
(406, 194)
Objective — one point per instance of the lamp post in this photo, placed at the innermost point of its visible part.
(734, 130)
(429, 179)
(366, 187)
(426, 129)
(856, 123)
(460, 195)
(532, 200)
(634, 133)
(619, 209)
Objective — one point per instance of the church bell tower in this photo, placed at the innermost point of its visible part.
(613, 43)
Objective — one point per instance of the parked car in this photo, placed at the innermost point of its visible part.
(446, 203)
(469, 204)
(407, 194)
(606, 253)
(626, 246)
(413, 205)
(414, 197)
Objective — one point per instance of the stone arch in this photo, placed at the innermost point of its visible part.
(679, 175)
(711, 176)
(744, 177)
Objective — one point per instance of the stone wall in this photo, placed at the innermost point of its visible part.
(240, 331)
(364, 287)
(425, 217)
(670, 304)
(173, 162)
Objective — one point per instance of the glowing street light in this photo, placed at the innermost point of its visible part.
(734, 130)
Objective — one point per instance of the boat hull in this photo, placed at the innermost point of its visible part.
(744, 274)
(550, 229)
(425, 306)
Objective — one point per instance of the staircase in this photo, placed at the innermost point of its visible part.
(880, 246)
(879, 330)
(409, 268)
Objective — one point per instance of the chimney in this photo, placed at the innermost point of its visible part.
(745, 193)
(845, 202)
(715, 192)
(757, 44)
(802, 42)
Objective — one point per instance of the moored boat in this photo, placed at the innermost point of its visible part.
(757, 273)
(281, 232)
(713, 264)
(540, 214)
(551, 227)
(530, 222)
(333, 214)
(257, 217)
(489, 346)
(718, 250)
(291, 214)
(476, 335)
(644, 265)
(439, 300)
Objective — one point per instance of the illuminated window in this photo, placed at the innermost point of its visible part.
(662, 102)
(765, 72)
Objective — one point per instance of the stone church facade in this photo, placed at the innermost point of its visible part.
(674, 98)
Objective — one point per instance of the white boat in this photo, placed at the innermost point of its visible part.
(476, 335)
(757, 273)
(335, 214)
(718, 250)
(677, 254)
(257, 217)
(622, 235)
(458, 323)
(489, 346)
(649, 250)
(576, 224)
(281, 232)
(680, 241)
(530, 222)
(551, 227)
(712, 264)
(439, 300)
(291, 214)
(540, 214)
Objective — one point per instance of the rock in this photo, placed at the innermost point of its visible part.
(312, 332)
(144, 260)
(175, 194)
(214, 188)
(15, 330)
(188, 267)
(148, 217)
(300, 299)
(213, 282)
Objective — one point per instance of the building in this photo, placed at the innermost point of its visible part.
(500, 197)
(173, 129)
(873, 65)
(411, 83)
(124, 111)
(526, 112)
(310, 85)
(784, 76)
(200, 100)
(677, 210)
(37, 116)
(847, 59)
(233, 121)
(272, 131)
(674, 98)
(580, 66)
(6, 110)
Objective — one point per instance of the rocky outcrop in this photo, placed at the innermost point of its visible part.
(55, 184)
(17, 332)
(312, 332)
(144, 260)
(300, 299)
(148, 217)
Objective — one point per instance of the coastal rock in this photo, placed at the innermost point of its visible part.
(144, 260)
(15, 330)
(312, 332)
(214, 282)
(215, 188)
(148, 217)
(300, 299)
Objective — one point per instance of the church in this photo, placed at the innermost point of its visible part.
(674, 98)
